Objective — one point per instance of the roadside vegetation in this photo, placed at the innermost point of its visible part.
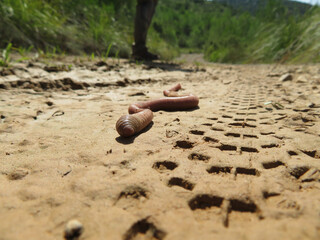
(274, 32)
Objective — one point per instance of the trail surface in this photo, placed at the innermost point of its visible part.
(245, 165)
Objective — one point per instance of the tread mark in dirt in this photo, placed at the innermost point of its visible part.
(273, 164)
(267, 195)
(292, 153)
(196, 132)
(210, 139)
(217, 129)
(249, 136)
(267, 133)
(217, 169)
(135, 192)
(176, 181)
(247, 171)
(249, 149)
(239, 119)
(165, 165)
(230, 134)
(242, 124)
(184, 144)
(198, 156)
(313, 154)
(213, 118)
(203, 201)
(297, 172)
(227, 147)
(146, 228)
(272, 145)
(242, 206)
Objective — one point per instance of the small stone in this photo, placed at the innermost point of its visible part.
(302, 79)
(286, 77)
(73, 230)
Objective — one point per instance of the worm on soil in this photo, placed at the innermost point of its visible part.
(172, 92)
(128, 125)
(140, 114)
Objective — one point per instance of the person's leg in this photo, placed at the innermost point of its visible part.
(144, 13)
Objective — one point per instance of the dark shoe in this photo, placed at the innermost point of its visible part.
(147, 56)
(142, 53)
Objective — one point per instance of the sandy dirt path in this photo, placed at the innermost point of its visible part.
(245, 165)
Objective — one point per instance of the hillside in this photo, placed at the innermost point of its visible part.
(229, 34)
(269, 32)
(253, 6)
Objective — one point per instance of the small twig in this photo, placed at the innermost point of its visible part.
(67, 172)
(56, 113)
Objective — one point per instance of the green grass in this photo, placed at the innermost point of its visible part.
(5, 56)
(74, 27)
(295, 41)
(104, 28)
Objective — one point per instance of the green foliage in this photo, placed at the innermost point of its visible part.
(108, 50)
(271, 35)
(23, 51)
(4, 61)
(74, 26)
(306, 48)
(275, 32)
(28, 22)
(290, 40)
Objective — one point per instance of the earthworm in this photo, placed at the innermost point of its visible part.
(172, 92)
(140, 114)
(129, 125)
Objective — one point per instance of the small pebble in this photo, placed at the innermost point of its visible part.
(286, 77)
(302, 79)
(73, 230)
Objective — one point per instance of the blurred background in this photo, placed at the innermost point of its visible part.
(228, 31)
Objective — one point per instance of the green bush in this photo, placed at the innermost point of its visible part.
(276, 32)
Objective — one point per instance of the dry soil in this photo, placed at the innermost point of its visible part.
(244, 165)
